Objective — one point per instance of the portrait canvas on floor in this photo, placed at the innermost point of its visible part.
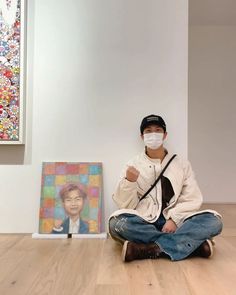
(71, 198)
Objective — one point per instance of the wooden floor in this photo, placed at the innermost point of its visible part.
(84, 267)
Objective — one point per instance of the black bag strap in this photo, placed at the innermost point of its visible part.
(158, 178)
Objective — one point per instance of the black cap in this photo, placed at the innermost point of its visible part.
(152, 120)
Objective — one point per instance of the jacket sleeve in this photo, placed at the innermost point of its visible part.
(189, 200)
(126, 194)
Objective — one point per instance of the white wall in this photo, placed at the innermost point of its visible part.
(212, 105)
(95, 69)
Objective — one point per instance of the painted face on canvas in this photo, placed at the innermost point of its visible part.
(73, 203)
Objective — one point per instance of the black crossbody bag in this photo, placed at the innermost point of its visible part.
(158, 178)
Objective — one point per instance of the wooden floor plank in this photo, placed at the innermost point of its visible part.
(231, 240)
(91, 267)
(73, 270)
(142, 278)
(34, 261)
(111, 290)
(8, 241)
(201, 277)
(13, 257)
(111, 270)
(229, 231)
(171, 277)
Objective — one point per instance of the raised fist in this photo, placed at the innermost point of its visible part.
(132, 174)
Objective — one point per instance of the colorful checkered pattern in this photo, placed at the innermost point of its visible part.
(88, 176)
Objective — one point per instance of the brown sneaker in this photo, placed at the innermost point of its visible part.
(132, 251)
(205, 249)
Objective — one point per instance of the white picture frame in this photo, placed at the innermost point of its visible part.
(12, 70)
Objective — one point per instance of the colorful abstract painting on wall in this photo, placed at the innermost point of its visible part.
(71, 196)
(11, 58)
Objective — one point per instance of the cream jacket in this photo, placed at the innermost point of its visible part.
(187, 198)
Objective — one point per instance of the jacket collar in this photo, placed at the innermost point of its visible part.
(157, 161)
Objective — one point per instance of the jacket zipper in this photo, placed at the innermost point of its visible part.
(155, 177)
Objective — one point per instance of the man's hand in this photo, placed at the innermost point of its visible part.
(57, 223)
(132, 174)
(169, 226)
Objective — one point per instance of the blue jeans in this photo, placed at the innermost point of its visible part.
(179, 245)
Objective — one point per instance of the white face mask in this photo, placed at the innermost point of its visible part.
(153, 140)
